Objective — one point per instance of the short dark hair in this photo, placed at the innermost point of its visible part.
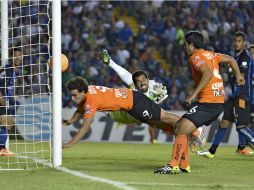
(137, 74)
(196, 38)
(240, 34)
(78, 83)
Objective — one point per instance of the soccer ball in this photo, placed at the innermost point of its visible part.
(65, 63)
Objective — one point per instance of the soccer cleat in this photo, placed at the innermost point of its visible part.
(167, 170)
(6, 152)
(201, 140)
(185, 170)
(244, 151)
(206, 154)
(105, 58)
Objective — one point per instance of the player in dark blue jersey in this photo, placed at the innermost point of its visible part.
(251, 50)
(8, 76)
(238, 107)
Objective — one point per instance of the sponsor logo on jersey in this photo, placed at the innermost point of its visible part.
(217, 85)
(88, 109)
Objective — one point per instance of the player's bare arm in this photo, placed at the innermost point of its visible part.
(76, 116)
(233, 64)
(79, 135)
(206, 77)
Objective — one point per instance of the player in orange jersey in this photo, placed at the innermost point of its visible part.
(209, 91)
(91, 99)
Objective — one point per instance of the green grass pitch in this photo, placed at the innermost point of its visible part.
(133, 164)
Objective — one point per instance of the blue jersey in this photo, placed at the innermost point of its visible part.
(245, 64)
(7, 81)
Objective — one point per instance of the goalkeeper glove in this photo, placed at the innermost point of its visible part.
(104, 56)
(159, 89)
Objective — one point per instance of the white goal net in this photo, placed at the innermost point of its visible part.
(25, 87)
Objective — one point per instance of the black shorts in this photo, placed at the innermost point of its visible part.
(144, 109)
(204, 113)
(238, 110)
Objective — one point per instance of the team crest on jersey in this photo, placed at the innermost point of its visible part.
(88, 109)
(244, 64)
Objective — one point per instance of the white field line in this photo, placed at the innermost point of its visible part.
(117, 184)
(188, 185)
(124, 185)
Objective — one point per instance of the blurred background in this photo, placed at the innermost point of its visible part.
(148, 36)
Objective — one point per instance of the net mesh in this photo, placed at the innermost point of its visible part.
(25, 86)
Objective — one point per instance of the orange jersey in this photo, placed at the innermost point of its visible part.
(213, 92)
(100, 98)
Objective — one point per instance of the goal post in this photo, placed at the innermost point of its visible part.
(4, 33)
(57, 83)
(36, 107)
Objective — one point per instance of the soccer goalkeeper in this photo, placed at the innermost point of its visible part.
(152, 89)
(8, 76)
(138, 81)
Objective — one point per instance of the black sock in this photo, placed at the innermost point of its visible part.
(213, 148)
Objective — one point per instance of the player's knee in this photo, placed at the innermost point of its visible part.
(183, 126)
(178, 128)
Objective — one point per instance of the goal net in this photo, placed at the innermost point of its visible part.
(25, 86)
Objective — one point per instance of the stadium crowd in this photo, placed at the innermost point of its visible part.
(152, 28)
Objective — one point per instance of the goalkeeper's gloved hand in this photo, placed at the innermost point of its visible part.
(159, 89)
(104, 57)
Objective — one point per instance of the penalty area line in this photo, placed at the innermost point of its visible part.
(117, 184)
